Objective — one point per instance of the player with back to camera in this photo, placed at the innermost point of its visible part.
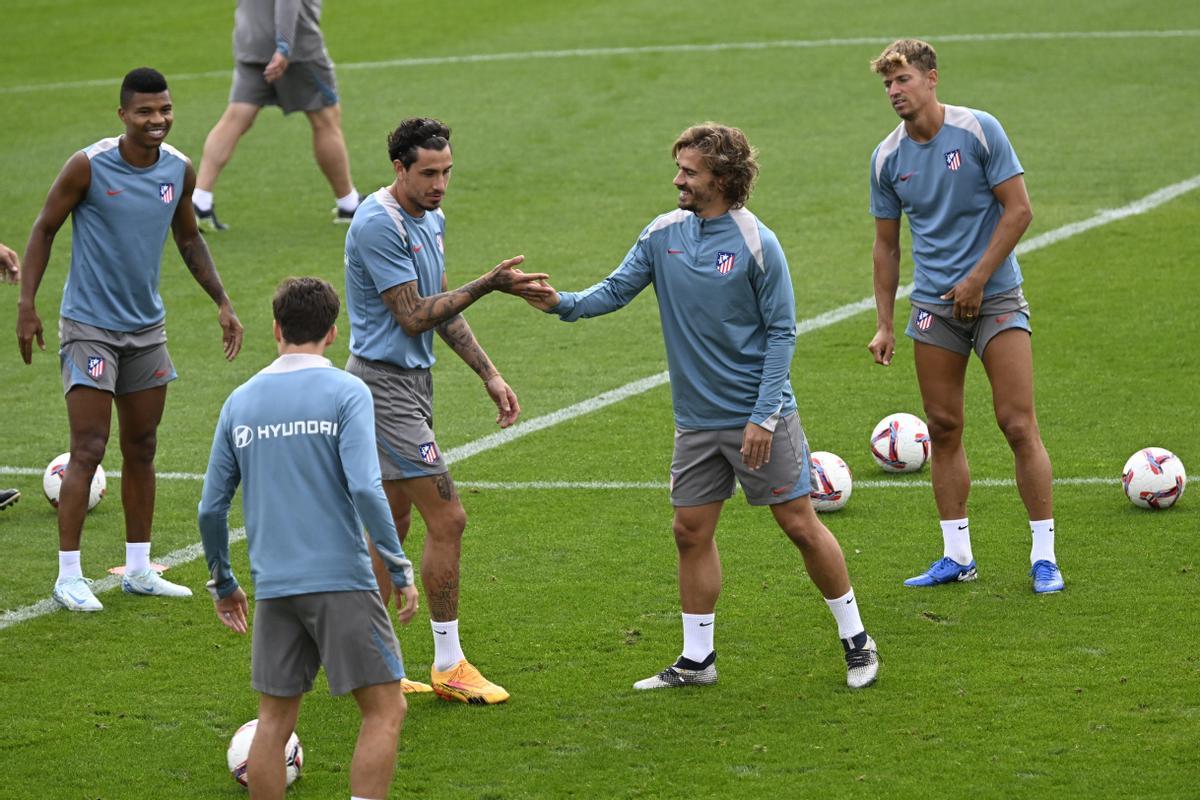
(729, 320)
(300, 439)
(279, 59)
(123, 194)
(10, 272)
(397, 295)
(952, 171)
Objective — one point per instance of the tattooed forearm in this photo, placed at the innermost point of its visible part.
(457, 333)
(199, 262)
(417, 314)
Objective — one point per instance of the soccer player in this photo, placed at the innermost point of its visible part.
(10, 272)
(123, 194)
(279, 59)
(729, 321)
(952, 171)
(300, 438)
(396, 296)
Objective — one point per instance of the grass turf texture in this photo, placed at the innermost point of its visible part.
(569, 595)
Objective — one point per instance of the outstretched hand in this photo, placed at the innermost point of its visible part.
(505, 277)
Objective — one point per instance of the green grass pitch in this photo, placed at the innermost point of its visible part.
(561, 144)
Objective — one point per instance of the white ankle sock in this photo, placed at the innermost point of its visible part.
(1043, 541)
(202, 200)
(845, 611)
(137, 556)
(68, 564)
(446, 649)
(349, 202)
(956, 540)
(698, 636)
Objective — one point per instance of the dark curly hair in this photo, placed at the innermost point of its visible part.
(418, 132)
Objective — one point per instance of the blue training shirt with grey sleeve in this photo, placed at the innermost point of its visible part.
(728, 314)
(944, 187)
(117, 235)
(300, 439)
(386, 247)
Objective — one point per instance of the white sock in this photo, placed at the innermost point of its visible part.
(68, 564)
(845, 611)
(1043, 541)
(956, 540)
(202, 200)
(349, 202)
(137, 556)
(446, 650)
(698, 636)
(356, 797)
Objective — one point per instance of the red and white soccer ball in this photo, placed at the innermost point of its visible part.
(53, 476)
(1154, 478)
(900, 443)
(832, 482)
(239, 751)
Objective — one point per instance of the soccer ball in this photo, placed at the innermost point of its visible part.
(832, 482)
(900, 443)
(53, 476)
(239, 751)
(1154, 478)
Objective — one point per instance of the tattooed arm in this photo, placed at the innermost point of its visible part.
(199, 262)
(417, 314)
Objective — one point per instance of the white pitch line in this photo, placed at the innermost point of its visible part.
(110, 582)
(987, 483)
(1141, 206)
(606, 52)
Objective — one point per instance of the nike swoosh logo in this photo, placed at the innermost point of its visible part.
(1002, 320)
(440, 633)
(417, 248)
(908, 175)
(671, 252)
(114, 192)
(705, 624)
(851, 600)
(78, 600)
(780, 490)
(963, 527)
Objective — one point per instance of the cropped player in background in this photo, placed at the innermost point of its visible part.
(279, 60)
(299, 437)
(952, 171)
(397, 295)
(729, 319)
(123, 194)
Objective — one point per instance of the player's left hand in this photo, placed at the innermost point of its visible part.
(10, 265)
(232, 611)
(406, 610)
(505, 399)
(231, 331)
(756, 445)
(275, 67)
(967, 295)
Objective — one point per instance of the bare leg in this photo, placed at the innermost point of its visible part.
(383, 708)
(1008, 360)
(139, 414)
(265, 771)
(695, 529)
(329, 148)
(822, 554)
(941, 374)
(445, 520)
(221, 142)
(402, 516)
(89, 414)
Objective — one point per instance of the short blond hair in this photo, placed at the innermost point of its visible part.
(902, 53)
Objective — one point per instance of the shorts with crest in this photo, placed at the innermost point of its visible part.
(403, 419)
(304, 86)
(113, 361)
(935, 324)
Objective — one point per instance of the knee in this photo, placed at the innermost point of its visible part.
(944, 428)
(448, 527)
(688, 537)
(140, 446)
(1019, 429)
(87, 450)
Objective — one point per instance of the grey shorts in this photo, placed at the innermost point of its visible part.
(403, 419)
(935, 324)
(706, 465)
(349, 633)
(113, 361)
(304, 86)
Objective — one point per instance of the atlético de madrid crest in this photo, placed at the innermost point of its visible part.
(725, 261)
(166, 192)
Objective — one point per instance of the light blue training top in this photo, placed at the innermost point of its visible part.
(944, 187)
(300, 438)
(386, 247)
(117, 238)
(728, 315)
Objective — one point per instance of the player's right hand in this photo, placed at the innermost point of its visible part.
(505, 277)
(407, 610)
(882, 347)
(29, 327)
